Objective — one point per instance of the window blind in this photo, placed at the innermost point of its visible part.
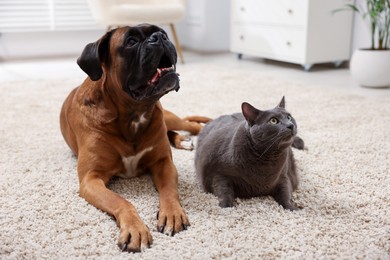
(45, 15)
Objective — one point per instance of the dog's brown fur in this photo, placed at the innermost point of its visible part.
(112, 134)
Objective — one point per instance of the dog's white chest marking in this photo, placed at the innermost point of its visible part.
(141, 120)
(131, 163)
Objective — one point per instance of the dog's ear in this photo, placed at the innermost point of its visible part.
(93, 55)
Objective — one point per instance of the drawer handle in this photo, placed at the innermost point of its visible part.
(242, 37)
(288, 43)
(290, 11)
(242, 9)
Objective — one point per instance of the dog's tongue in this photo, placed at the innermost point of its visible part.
(158, 74)
(155, 77)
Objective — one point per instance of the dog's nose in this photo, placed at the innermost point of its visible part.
(157, 38)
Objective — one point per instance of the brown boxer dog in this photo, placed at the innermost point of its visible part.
(114, 123)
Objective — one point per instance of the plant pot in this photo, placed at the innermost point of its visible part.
(371, 68)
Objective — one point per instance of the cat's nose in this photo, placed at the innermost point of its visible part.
(291, 127)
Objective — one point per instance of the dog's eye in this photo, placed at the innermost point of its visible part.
(131, 41)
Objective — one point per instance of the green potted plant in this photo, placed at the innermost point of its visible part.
(370, 67)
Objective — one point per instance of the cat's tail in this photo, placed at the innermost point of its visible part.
(298, 143)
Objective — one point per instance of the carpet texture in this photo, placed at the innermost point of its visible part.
(345, 178)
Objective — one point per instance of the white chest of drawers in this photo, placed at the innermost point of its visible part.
(296, 31)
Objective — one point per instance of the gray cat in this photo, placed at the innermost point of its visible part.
(249, 155)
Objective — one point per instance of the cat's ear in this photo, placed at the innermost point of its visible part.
(282, 103)
(250, 113)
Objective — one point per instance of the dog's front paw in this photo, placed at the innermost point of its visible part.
(172, 220)
(134, 237)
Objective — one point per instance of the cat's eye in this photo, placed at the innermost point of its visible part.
(289, 117)
(274, 121)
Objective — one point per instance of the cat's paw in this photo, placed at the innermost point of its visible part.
(226, 203)
(292, 207)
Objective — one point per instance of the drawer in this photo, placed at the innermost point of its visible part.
(272, 42)
(286, 12)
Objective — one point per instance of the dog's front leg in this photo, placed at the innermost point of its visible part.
(171, 216)
(134, 234)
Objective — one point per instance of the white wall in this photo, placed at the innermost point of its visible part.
(206, 26)
(361, 37)
(44, 44)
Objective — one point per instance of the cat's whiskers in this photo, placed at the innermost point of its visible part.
(273, 140)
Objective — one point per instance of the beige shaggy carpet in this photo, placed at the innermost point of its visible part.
(345, 178)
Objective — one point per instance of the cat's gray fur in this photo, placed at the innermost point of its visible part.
(248, 155)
